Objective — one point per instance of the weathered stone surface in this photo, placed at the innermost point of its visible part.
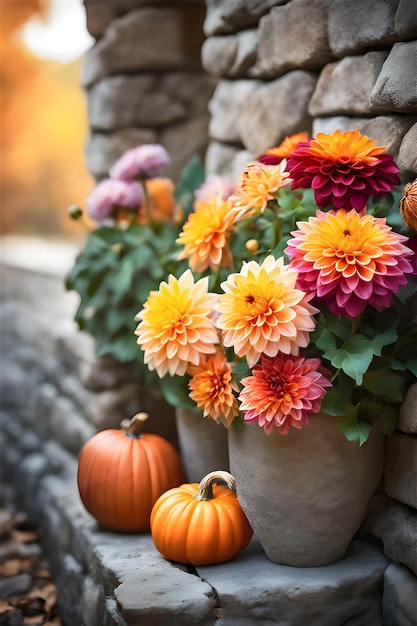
(145, 100)
(183, 141)
(103, 149)
(396, 87)
(361, 24)
(149, 38)
(104, 373)
(406, 20)
(407, 156)
(386, 130)
(100, 14)
(233, 15)
(345, 86)
(228, 100)
(407, 420)
(282, 31)
(15, 586)
(401, 468)
(261, 125)
(230, 56)
(350, 589)
(69, 427)
(396, 525)
(400, 596)
(226, 160)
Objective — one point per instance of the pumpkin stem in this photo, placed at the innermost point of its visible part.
(205, 489)
(132, 428)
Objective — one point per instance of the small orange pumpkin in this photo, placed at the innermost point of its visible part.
(200, 524)
(121, 473)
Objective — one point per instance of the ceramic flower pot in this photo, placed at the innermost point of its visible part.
(305, 494)
(203, 444)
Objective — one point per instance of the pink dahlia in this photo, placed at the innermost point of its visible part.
(283, 391)
(110, 194)
(145, 161)
(344, 169)
(215, 186)
(348, 260)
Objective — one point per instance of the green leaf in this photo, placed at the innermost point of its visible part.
(354, 357)
(192, 176)
(385, 384)
(338, 396)
(353, 429)
(175, 391)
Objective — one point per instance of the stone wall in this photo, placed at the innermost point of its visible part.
(285, 66)
(144, 81)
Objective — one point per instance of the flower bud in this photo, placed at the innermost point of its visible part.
(75, 212)
(252, 246)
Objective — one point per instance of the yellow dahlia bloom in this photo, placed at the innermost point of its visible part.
(205, 235)
(258, 185)
(261, 311)
(212, 388)
(177, 325)
(272, 156)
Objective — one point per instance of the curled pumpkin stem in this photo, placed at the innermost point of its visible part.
(133, 427)
(205, 489)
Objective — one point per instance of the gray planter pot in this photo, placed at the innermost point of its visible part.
(305, 494)
(203, 444)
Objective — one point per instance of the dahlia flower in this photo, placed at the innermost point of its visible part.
(177, 326)
(212, 388)
(344, 169)
(215, 186)
(273, 156)
(205, 235)
(160, 201)
(283, 391)
(258, 185)
(111, 194)
(262, 311)
(145, 161)
(408, 205)
(349, 260)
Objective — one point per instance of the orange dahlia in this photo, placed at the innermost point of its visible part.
(408, 205)
(347, 260)
(205, 235)
(273, 156)
(343, 168)
(212, 388)
(177, 326)
(283, 391)
(262, 311)
(258, 185)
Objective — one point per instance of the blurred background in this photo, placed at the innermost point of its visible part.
(43, 118)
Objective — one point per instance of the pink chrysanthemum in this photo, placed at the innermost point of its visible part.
(283, 391)
(215, 186)
(177, 325)
(145, 161)
(344, 169)
(110, 194)
(212, 388)
(262, 311)
(349, 260)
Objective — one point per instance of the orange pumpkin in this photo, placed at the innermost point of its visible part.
(121, 473)
(200, 524)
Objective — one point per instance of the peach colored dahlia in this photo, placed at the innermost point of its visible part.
(262, 311)
(205, 235)
(212, 388)
(273, 156)
(347, 260)
(177, 327)
(283, 391)
(258, 185)
(343, 168)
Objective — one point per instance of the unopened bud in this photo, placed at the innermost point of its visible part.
(116, 248)
(252, 246)
(75, 212)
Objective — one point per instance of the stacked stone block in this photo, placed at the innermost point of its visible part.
(144, 81)
(286, 66)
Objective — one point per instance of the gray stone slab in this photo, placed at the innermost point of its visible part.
(253, 590)
(401, 468)
(396, 87)
(400, 596)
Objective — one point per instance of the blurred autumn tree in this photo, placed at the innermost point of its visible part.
(43, 132)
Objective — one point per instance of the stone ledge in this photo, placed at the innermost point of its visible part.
(111, 579)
